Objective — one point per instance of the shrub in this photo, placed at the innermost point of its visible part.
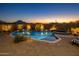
(19, 38)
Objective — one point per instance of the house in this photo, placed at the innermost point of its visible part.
(75, 30)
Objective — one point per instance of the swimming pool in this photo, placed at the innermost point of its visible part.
(37, 35)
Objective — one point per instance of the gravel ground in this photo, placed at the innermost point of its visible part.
(37, 48)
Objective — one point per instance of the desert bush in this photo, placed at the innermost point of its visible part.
(19, 38)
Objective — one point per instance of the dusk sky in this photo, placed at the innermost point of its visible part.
(44, 13)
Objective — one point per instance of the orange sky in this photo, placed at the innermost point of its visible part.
(51, 19)
(47, 19)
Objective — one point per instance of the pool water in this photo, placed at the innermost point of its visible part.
(44, 35)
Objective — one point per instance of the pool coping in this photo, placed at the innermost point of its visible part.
(57, 40)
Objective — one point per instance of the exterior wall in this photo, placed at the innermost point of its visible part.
(75, 30)
(0, 27)
(39, 27)
(36, 27)
(53, 28)
(20, 26)
(28, 27)
(7, 27)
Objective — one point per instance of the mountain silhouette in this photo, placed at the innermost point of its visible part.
(2, 22)
(19, 22)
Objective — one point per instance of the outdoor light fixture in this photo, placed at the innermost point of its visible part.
(41, 33)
